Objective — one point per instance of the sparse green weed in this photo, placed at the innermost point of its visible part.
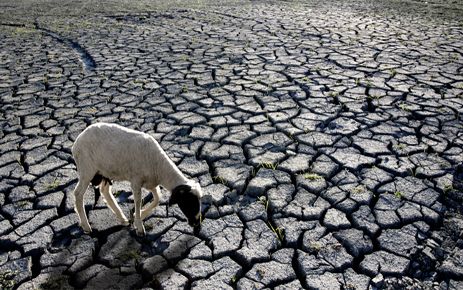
(314, 246)
(130, 255)
(313, 176)
(279, 232)
(399, 146)
(399, 194)
(404, 107)
(7, 281)
(22, 203)
(219, 179)
(448, 188)
(358, 189)
(268, 165)
(53, 185)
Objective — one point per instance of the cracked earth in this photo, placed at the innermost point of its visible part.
(327, 138)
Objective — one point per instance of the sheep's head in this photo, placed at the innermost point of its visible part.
(188, 198)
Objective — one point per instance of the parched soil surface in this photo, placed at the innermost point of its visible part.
(326, 135)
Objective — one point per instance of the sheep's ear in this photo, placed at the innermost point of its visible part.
(177, 193)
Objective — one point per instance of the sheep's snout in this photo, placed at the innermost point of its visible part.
(196, 222)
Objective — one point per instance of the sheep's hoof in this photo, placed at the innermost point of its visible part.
(140, 233)
(125, 222)
(86, 228)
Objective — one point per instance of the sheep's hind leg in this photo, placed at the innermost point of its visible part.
(148, 209)
(137, 221)
(79, 192)
(105, 189)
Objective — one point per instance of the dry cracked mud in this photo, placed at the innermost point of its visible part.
(327, 138)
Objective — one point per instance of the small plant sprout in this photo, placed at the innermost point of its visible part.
(349, 286)
(392, 72)
(22, 203)
(399, 146)
(448, 188)
(399, 194)
(52, 185)
(92, 110)
(404, 107)
(132, 254)
(279, 232)
(7, 281)
(358, 189)
(264, 201)
(368, 83)
(333, 94)
(233, 279)
(269, 165)
(219, 179)
(314, 246)
(312, 176)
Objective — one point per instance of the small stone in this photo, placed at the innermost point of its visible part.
(378, 280)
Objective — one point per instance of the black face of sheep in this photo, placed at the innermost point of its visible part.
(189, 202)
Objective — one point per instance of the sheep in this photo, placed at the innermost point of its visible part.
(105, 152)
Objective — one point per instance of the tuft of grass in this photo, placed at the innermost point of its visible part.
(349, 286)
(314, 246)
(448, 188)
(398, 194)
(22, 203)
(333, 94)
(404, 107)
(7, 281)
(392, 72)
(92, 110)
(313, 176)
(269, 165)
(264, 201)
(130, 255)
(233, 279)
(53, 185)
(358, 189)
(399, 146)
(368, 83)
(219, 179)
(279, 232)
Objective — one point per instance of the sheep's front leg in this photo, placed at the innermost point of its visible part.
(137, 221)
(112, 203)
(148, 209)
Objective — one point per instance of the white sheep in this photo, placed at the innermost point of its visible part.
(105, 152)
